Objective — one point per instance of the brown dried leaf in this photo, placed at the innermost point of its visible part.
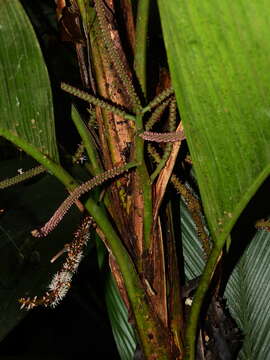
(164, 176)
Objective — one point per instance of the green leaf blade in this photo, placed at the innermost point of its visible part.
(26, 108)
(248, 297)
(219, 58)
(123, 332)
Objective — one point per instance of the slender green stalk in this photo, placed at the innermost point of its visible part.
(151, 334)
(140, 60)
(206, 278)
(87, 13)
(162, 163)
(145, 184)
(174, 279)
(87, 141)
(198, 300)
(76, 194)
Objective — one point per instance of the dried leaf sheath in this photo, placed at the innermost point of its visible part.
(75, 195)
(190, 201)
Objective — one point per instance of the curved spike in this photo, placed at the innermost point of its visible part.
(75, 195)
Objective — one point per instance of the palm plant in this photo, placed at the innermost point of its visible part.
(207, 136)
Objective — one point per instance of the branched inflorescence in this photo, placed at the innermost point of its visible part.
(22, 177)
(172, 136)
(168, 137)
(61, 281)
(75, 195)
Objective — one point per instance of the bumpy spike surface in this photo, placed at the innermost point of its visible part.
(61, 281)
(158, 99)
(114, 56)
(163, 137)
(95, 101)
(75, 195)
(22, 177)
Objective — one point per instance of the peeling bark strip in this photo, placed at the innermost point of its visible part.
(190, 201)
(163, 137)
(61, 281)
(75, 195)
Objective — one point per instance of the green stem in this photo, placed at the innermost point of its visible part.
(86, 12)
(152, 337)
(162, 163)
(87, 141)
(141, 43)
(206, 278)
(144, 183)
(204, 284)
(150, 332)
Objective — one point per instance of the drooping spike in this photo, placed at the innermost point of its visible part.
(61, 281)
(75, 195)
